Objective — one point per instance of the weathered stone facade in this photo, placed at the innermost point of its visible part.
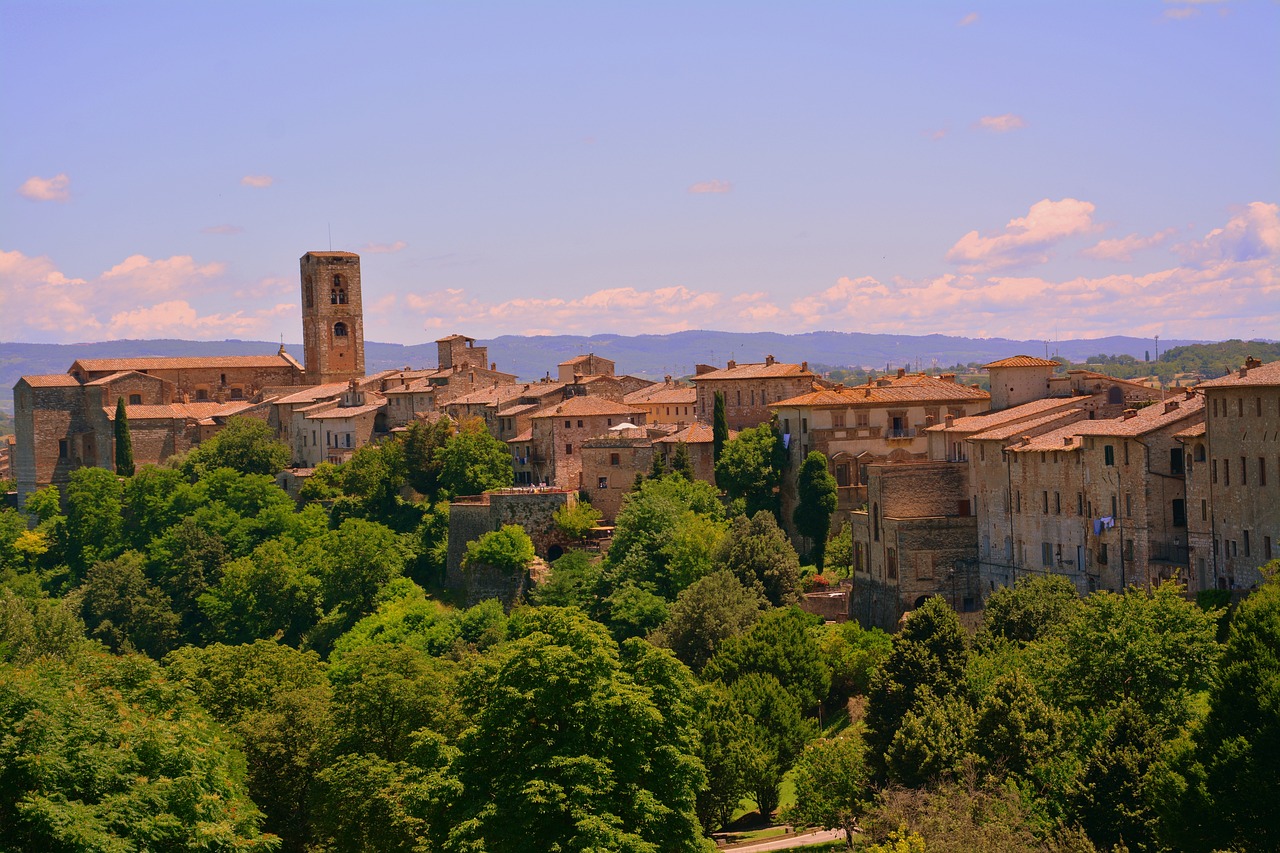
(751, 391)
(533, 510)
(332, 317)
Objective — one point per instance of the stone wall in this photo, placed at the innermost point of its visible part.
(531, 509)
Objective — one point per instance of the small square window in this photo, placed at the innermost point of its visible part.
(603, 483)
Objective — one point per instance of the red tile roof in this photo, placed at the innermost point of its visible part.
(758, 370)
(1264, 375)
(698, 433)
(1024, 412)
(1021, 361)
(114, 365)
(50, 380)
(586, 407)
(195, 411)
(911, 388)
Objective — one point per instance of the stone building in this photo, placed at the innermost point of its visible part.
(751, 391)
(883, 421)
(584, 365)
(550, 452)
(332, 429)
(610, 464)
(668, 402)
(332, 317)
(1233, 477)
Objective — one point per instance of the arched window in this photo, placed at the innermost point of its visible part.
(339, 330)
(338, 295)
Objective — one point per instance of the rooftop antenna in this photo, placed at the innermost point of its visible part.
(330, 224)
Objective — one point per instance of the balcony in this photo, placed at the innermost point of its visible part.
(1170, 552)
(905, 433)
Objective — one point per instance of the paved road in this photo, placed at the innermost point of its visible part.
(788, 842)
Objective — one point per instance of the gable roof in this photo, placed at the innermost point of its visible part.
(50, 380)
(144, 363)
(758, 370)
(1262, 375)
(586, 407)
(1021, 361)
(909, 388)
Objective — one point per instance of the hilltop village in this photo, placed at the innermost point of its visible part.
(943, 488)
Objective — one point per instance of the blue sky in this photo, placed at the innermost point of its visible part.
(1020, 169)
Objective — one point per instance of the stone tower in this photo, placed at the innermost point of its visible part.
(332, 319)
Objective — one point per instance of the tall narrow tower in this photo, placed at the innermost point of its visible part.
(332, 319)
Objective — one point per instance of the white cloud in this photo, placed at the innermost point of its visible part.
(258, 181)
(1251, 235)
(711, 187)
(969, 19)
(1026, 240)
(225, 230)
(383, 248)
(1003, 123)
(46, 189)
(138, 274)
(1123, 248)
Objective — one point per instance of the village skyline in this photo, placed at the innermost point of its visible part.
(980, 170)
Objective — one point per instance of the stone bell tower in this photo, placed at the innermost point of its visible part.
(332, 318)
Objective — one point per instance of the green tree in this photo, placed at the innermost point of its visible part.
(374, 476)
(854, 654)
(816, 500)
(149, 504)
(1229, 799)
(833, 785)
(574, 747)
(113, 757)
(729, 752)
(705, 614)
(657, 467)
(508, 548)
(123, 441)
(929, 658)
(473, 461)
(185, 561)
(838, 557)
(782, 644)
(665, 536)
(573, 582)
(719, 428)
(125, 610)
(779, 732)
(276, 700)
(681, 463)
(1032, 608)
(245, 444)
(748, 468)
(262, 594)
(1015, 728)
(760, 555)
(45, 504)
(94, 528)
(932, 742)
(576, 521)
(421, 441)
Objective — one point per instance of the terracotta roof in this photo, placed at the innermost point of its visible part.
(989, 420)
(345, 412)
(518, 410)
(587, 406)
(1007, 430)
(1266, 374)
(113, 377)
(315, 392)
(697, 433)
(758, 370)
(196, 411)
(332, 254)
(453, 338)
(50, 380)
(1146, 420)
(113, 365)
(911, 388)
(683, 395)
(1021, 361)
(525, 437)
(577, 359)
(486, 396)
(1195, 431)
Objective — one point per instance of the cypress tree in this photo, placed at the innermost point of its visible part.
(719, 427)
(657, 470)
(817, 498)
(124, 441)
(681, 463)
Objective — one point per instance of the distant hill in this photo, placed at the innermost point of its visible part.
(653, 356)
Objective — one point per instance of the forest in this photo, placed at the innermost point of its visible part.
(192, 659)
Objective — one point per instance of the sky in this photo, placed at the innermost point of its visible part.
(1034, 170)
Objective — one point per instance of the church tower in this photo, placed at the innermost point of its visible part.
(332, 319)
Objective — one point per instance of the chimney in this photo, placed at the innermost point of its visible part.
(1170, 405)
(868, 393)
(949, 420)
(1066, 441)
(1191, 394)
(1026, 439)
(493, 365)
(928, 421)
(731, 365)
(804, 365)
(839, 386)
(1250, 362)
(948, 377)
(1130, 413)
(902, 371)
(667, 379)
(768, 360)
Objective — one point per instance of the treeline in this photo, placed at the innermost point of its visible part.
(1208, 361)
(191, 659)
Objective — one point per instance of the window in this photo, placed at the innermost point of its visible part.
(64, 449)
(1199, 452)
(615, 459)
(1266, 548)
(135, 399)
(1102, 553)
(1079, 503)
(875, 522)
(1108, 455)
(602, 483)
(1045, 502)
(568, 450)
(982, 453)
(1057, 503)
(348, 439)
(1126, 453)
(1046, 554)
(1175, 462)
(1114, 510)
(1258, 400)
(804, 425)
(1214, 475)
(862, 420)
(339, 330)
(568, 424)
(1128, 549)
(1017, 507)
(837, 420)
(1262, 470)
(1240, 407)
(1226, 472)
(1179, 512)
(893, 563)
(579, 424)
(1128, 505)
(237, 394)
(202, 393)
(1204, 510)
(1246, 543)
